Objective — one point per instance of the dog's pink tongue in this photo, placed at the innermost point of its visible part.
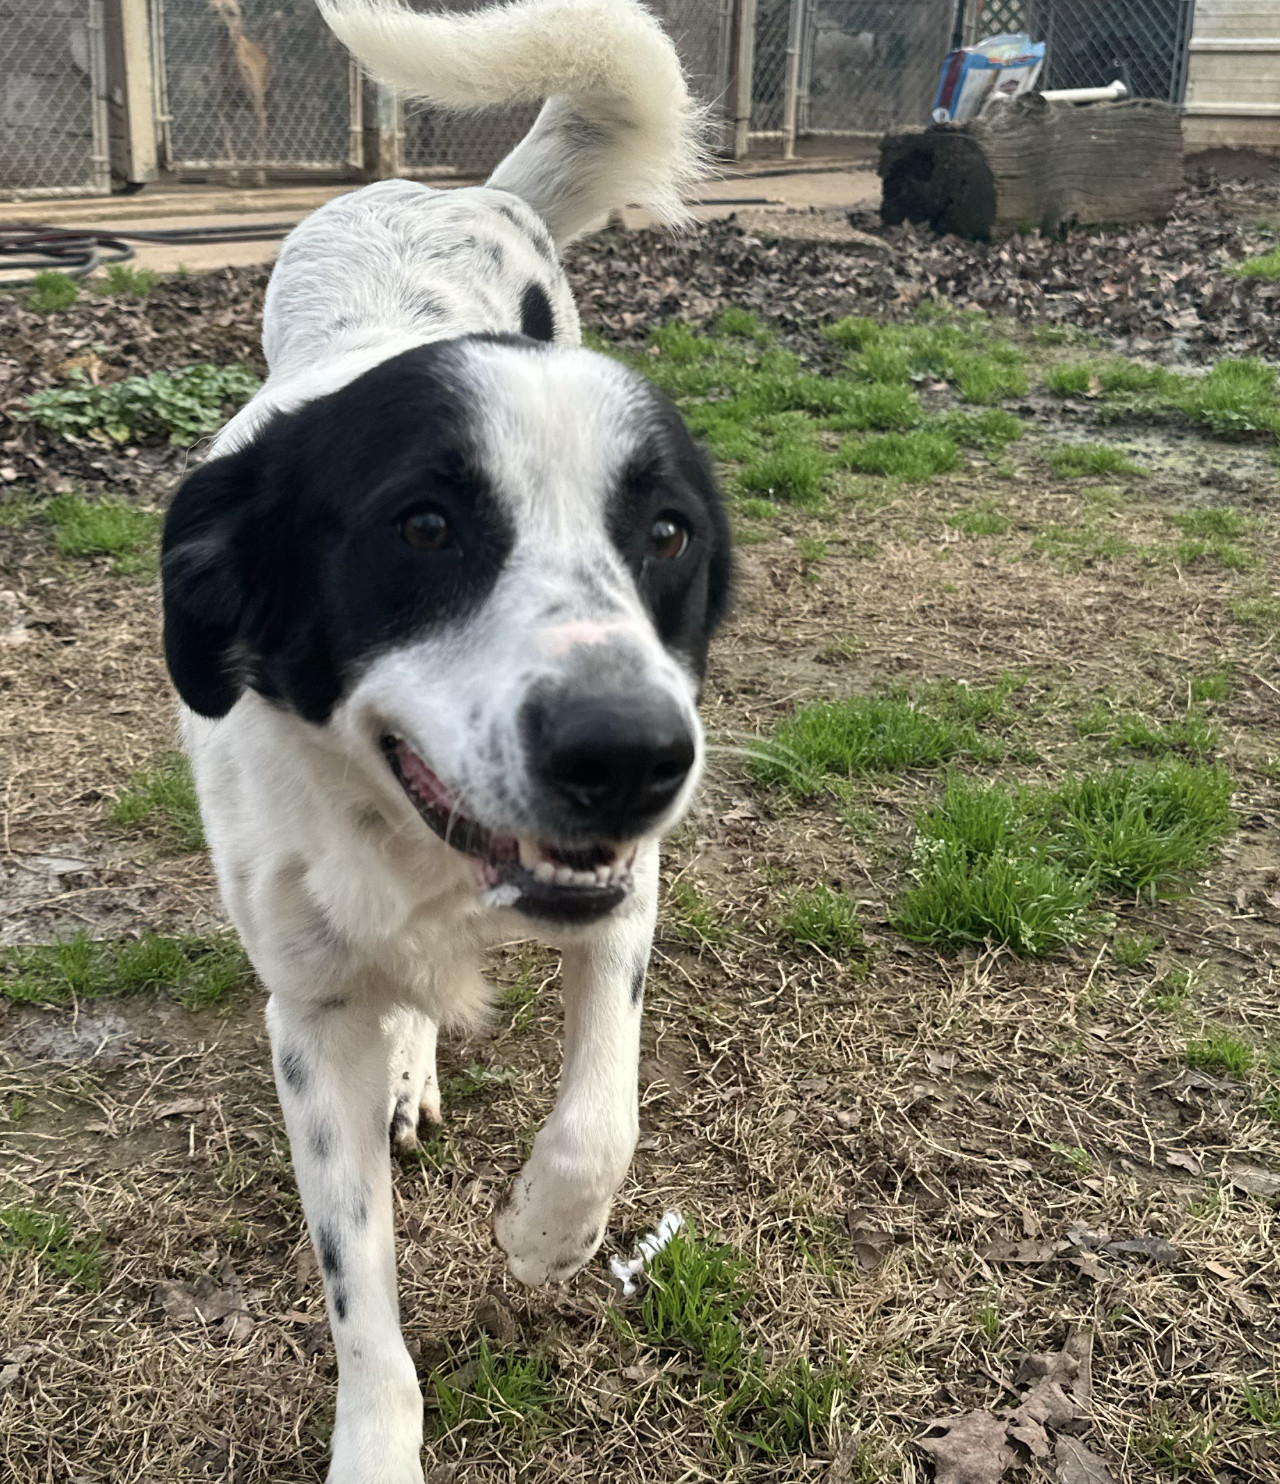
(421, 779)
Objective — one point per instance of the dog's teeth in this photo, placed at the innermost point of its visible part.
(604, 874)
(565, 876)
(530, 853)
(544, 871)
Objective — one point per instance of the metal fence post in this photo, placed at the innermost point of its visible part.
(791, 81)
(742, 62)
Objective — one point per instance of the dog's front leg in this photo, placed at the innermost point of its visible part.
(332, 1074)
(554, 1218)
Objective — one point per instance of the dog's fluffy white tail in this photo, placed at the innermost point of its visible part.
(618, 127)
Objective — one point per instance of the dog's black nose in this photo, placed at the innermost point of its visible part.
(615, 763)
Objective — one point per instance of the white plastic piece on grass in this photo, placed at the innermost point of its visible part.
(626, 1271)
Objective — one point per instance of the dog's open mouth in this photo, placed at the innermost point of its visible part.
(566, 884)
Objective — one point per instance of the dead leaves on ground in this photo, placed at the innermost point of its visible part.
(981, 1447)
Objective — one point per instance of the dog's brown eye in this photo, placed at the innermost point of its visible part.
(426, 530)
(668, 537)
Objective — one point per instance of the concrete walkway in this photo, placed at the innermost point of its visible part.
(826, 188)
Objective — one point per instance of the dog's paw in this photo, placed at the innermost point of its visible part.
(550, 1225)
(377, 1437)
(414, 1095)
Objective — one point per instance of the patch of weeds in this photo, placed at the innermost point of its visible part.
(1212, 687)
(877, 407)
(1215, 521)
(473, 1078)
(979, 521)
(1133, 950)
(691, 1301)
(824, 919)
(1137, 830)
(50, 1239)
(1265, 266)
(1235, 397)
(982, 874)
(17, 510)
(495, 1389)
(810, 550)
(793, 469)
(990, 431)
(196, 971)
(51, 291)
(1077, 547)
(1074, 1157)
(1083, 460)
(1192, 733)
(863, 734)
(912, 456)
(1069, 381)
(743, 325)
(1182, 1449)
(1220, 1051)
(694, 917)
(756, 509)
(1263, 1407)
(1170, 991)
(961, 349)
(988, 1317)
(133, 283)
(1191, 550)
(105, 528)
(1258, 613)
(787, 1413)
(182, 406)
(163, 799)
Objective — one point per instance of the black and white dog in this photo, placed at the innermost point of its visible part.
(438, 607)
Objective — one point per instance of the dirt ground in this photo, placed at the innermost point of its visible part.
(937, 1166)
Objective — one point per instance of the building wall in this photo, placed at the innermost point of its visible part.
(1233, 76)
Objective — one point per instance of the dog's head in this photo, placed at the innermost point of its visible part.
(490, 569)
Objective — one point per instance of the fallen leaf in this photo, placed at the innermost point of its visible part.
(941, 1061)
(175, 1110)
(1254, 1180)
(1156, 1248)
(1076, 1464)
(973, 1449)
(1181, 1159)
(1000, 1250)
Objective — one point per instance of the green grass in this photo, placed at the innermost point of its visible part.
(1214, 521)
(982, 874)
(106, 528)
(1265, 266)
(1258, 613)
(1069, 381)
(1139, 830)
(879, 407)
(977, 521)
(1263, 1407)
(498, 1390)
(988, 1317)
(824, 919)
(182, 405)
(163, 800)
(1192, 733)
(1171, 989)
(1133, 950)
(133, 283)
(692, 915)
(1179, 1449)
(961, 349)
(1220, 1051)
(196, 971)
(1235, 397)
(51, 291)
(1211, 687)
(1087, 460)
(1075, 547)
(744, 325)
(1193, 549)
(990, 431)
(691, 1300)
(793, 469)
(1023, 868)
(51, 1240)
(840, 740)
(916, 456)
(786, 1414)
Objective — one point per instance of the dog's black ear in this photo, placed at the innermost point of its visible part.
(204, 582)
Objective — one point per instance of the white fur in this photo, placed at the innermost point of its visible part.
(619, 125)
(366, 928)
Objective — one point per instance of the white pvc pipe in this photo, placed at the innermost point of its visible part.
(1110, 94)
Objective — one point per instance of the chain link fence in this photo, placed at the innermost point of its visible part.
(250, 86)
(1092, 42)
(53, 130)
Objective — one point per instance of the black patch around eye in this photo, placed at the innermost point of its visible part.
(537, 320)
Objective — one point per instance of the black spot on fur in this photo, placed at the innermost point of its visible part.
(329, 1247)
(294, 1071)
(339, 1293)
(637, 982)
(322, 1141)
(537, 320)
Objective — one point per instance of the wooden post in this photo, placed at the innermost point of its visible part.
(742, 66)
(383, 135)
(130, 94)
